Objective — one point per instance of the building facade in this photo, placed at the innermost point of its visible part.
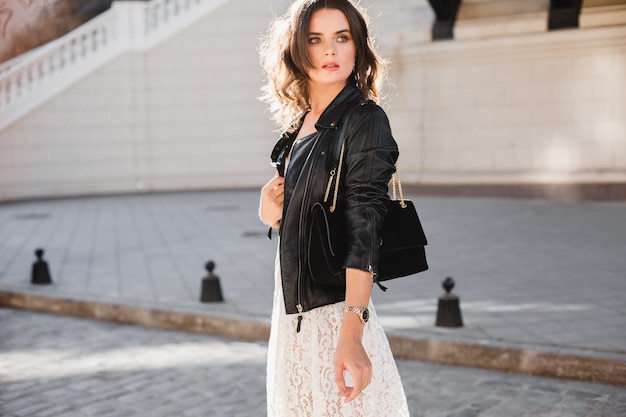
(162, 95)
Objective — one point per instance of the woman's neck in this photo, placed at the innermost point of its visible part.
(322, 96)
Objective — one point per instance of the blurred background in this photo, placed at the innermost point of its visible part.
(486, 97)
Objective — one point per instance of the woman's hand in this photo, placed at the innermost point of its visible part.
(271, 205)
(350, 356)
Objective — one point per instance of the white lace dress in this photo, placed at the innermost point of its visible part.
(300, 373)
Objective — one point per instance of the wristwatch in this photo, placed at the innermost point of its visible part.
(363, 313)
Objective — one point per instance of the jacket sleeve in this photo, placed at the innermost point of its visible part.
(370, 157)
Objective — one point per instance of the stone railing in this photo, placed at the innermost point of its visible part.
(30, 79)
(160, 12)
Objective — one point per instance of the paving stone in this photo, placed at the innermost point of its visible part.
(53, 410)
(30, 409)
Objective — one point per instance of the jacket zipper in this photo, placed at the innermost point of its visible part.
(299, 307)
(301, 234)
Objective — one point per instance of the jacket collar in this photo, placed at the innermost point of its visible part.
(349, 96)
(329, 119)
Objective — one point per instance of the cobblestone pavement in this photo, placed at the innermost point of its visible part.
(63, 366)
(541, 283)
(539, 273)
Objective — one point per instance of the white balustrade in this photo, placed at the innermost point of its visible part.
(20, 77)
(32, 78)
(160, 12)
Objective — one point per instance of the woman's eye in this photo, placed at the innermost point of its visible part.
(314, 40)
(343, 39)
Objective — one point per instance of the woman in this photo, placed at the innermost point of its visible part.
(328, 354)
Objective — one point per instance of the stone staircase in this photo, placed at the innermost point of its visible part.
(31, 79)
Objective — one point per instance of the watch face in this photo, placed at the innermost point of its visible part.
(366, 315)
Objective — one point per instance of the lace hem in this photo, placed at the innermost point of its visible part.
(300, 373)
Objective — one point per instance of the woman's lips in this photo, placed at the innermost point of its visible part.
(330, 66)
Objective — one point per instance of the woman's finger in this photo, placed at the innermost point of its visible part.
(339, 379)
(360, 380)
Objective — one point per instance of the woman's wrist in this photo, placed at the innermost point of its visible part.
(352, 326)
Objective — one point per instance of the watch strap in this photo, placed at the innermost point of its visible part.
(361, 312)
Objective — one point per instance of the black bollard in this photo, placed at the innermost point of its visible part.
(40, 274)
(211, 289)
(449, 310)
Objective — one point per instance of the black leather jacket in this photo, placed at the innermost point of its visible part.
(369, 162)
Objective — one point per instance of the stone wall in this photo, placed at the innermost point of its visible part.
(539, 108)
(505, 105)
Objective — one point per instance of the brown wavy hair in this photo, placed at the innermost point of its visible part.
(285, 58)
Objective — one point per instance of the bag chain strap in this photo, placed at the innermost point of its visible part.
(395, 177)
(396, 184)
(330, 180)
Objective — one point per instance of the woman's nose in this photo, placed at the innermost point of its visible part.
(330, 49)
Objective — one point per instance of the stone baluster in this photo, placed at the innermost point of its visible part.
(3, 99)
(15, 91)
(19, 90)
(31, 77)
(65, 50)
(12, 89)
(49, 65)
(4, 95)
(153, 17)
(166, 11)
(84, 45)
(51, 59)
(104, 33)
(71, 51)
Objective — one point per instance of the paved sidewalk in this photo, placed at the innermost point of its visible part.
(542, 283)
(67, 367)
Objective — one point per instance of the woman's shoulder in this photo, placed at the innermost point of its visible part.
(369, 127)
(369, 108)
(369, 112)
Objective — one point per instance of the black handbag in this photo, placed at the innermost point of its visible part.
(402, 250)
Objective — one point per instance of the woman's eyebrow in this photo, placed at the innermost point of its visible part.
(336, 33)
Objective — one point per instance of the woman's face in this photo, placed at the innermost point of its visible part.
(331, 48)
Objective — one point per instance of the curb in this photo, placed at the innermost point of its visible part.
(522, 361)
(503, 359)
(140, 316)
